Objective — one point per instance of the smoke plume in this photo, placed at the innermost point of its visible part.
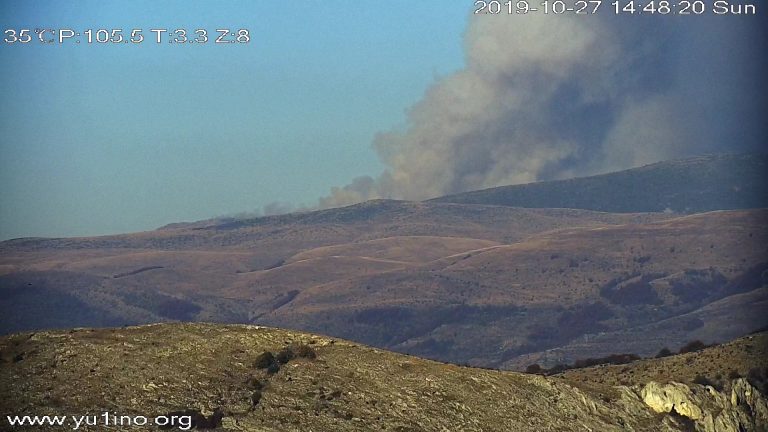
(545, 97)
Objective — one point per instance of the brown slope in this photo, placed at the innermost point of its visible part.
(492, 306)
(536, 270)
(268, 290)
(721, 320)
(159, 369)
(742, 357)
(224, 262)
(196, 272)
(413, 249)
(276, 235)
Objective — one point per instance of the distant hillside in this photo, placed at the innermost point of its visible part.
(246, 378)
(556, 296)
(718, 182)
(486, 285)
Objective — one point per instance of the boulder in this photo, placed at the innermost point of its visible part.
(710, 410)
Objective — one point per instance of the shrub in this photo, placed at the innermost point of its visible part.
(273, 368)
(304, 351)
(693, 346)
(284, 356)
(664, 352)
(254, 383)
(556, 369)
(702, 380)
(533, 369)
(615, 359)
(272, 362)
(256, 397)
(264, 360)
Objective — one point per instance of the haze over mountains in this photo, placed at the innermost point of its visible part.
(503, 277)
(686, 186)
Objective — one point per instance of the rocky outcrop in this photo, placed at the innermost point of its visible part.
(707, 409)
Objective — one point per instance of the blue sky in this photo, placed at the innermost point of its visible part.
(107, 138)
(335, 102)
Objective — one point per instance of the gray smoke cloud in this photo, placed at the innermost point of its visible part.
(545, 97)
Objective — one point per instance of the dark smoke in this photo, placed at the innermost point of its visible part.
(545, 97)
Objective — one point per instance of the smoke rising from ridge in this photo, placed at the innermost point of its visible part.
(544, 97)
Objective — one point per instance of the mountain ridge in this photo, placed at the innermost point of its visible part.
(683, 186)
(488, 285)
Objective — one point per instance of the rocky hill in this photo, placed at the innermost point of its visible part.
(716, 182)
(248, 378)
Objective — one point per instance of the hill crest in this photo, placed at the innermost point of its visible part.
(698, 184)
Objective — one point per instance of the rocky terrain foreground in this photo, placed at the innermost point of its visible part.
(249, 378)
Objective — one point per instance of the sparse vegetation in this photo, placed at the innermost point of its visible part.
(271, 362)
(613, 359)
(632, 290)
(191, 369)
(696, 286)
(717, 366)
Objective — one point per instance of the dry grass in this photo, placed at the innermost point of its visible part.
(718, 364)
(159, 369)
